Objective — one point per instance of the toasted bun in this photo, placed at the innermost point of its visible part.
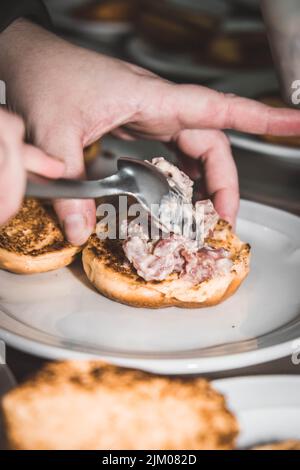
(32, 242)
(108, 270)
(107, 10)
(85, 405)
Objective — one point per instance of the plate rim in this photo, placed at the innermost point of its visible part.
(257, 378)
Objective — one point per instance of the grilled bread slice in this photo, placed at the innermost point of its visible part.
(90, 406)
(110, 272)
(32, 242)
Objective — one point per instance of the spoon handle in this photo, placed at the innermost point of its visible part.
(73, 189)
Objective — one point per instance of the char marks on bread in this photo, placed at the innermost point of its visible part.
(33, 242)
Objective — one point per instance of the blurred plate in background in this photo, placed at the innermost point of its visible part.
(198, 45)
(63, 16)
(172, 64)
(267, 408)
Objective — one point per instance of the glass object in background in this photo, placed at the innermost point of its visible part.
(283, 24)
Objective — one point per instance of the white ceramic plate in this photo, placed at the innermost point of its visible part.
(267, 407)
(173, 64)
(59, 315)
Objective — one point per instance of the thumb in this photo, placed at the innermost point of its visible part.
(12, 180)
(77, 216)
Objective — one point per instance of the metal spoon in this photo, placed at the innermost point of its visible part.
(135, 178)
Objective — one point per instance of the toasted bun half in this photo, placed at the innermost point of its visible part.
(32, 242)
(109, 271)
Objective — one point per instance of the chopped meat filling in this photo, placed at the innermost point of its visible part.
(156, 260)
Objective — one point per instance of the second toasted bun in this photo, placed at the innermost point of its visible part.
(32, 242)
(108, 270)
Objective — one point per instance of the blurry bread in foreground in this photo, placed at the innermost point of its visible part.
(91, 405)
(277, 102)
(285, 445)
(33, 242)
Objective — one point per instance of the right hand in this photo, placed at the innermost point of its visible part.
(17, 157)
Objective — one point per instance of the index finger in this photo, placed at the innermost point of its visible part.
(220, 172)
(199, 107)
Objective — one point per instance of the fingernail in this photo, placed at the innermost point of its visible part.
(76, 229)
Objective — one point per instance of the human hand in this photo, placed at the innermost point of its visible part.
(70, 97)
(16, 158)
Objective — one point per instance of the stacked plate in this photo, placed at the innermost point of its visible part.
(224, 43)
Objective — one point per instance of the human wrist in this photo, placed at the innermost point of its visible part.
(25, 50)
(12, 46)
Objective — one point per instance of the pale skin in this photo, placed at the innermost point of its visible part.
(69, 97)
